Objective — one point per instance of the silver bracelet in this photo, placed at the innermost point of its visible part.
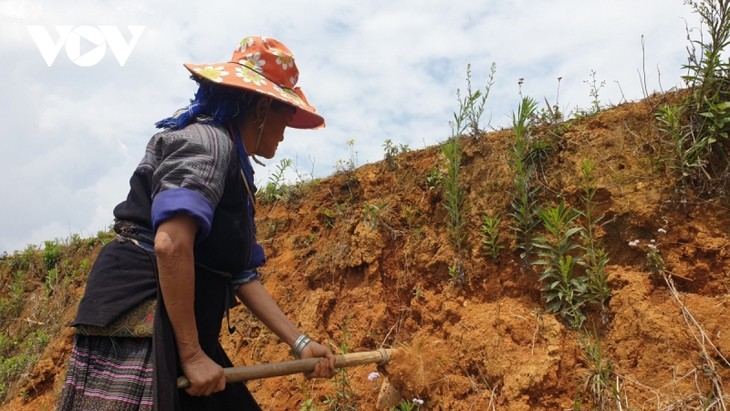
(299, 345)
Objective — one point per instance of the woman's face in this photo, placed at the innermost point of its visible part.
(278, 117)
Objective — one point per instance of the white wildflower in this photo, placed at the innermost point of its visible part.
(373, 376)
(417, 400)
(661, 231)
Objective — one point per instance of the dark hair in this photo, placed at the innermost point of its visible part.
(212, 104)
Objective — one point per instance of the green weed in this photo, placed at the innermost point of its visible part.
(392, 151)
(51, 254)
(595, 257)
(594, 89)
(275, 189)
(698, 127)
(562, 287)
(454, 198)
(348, 165)
(654, 260)
(308, 405)
(598, 380)
(329, 216)
(491, 236)
(50, 281)
(12, 303)
(471, 107)
(412, 405)
(686, 158)
(523, 201)
(344, 398)
(373, 213)
(434, 178)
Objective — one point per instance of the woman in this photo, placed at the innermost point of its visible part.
(157, 295)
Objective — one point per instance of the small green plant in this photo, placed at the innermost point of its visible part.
(434, 178)
(599, 374)
(413, 405)
(344, 398)
(329, 216)
(308, 405)
(392, 151)
(275, 189)
(490, 236)
(686, 154)
(456, 272)
(551, 113)
(594, 89)
(654, 260)
(472, 105)
(372, 213)
(51, 254)
(50, 281)
(564, 290)
(349, 165)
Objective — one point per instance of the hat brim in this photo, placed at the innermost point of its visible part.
(240, 76)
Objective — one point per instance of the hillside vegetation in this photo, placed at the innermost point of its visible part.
(579, 263)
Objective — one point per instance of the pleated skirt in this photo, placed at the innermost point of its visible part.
(109, 373)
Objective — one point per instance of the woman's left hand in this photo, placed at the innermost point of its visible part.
(325, 368)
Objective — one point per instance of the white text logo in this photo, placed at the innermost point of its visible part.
(97, 38)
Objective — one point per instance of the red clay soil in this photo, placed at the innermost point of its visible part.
(361, 261)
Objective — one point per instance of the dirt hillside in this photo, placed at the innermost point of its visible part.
(361, 261)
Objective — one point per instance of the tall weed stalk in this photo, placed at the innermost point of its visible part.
(595, 257)
(471, 107)
(523, 201)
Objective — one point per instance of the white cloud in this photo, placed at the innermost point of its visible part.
(376, 70)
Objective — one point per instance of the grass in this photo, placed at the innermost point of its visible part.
(599, 374)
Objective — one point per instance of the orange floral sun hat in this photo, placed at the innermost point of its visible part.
(265, 66)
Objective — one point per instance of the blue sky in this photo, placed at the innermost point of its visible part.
(375, 70)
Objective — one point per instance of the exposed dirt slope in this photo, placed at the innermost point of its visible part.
(362, 260)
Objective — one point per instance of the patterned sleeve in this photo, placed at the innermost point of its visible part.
(190, 174)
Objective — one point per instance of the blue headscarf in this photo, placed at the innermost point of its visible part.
(212, 104)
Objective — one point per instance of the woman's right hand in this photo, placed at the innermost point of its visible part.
(205, 375)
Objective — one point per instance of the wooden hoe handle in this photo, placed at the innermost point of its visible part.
(254, 372)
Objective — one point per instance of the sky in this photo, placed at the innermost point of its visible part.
(73, 131)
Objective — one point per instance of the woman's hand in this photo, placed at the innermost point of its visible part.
(205, 375)
(325, 368)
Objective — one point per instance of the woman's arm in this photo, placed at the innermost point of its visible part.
(259, 302)
(174, 243)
